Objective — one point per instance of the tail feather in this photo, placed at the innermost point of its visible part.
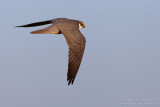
(41, 31)
(47, 30)
(36, 24)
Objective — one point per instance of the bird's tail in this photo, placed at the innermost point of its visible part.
(48, 30)
(36, 24)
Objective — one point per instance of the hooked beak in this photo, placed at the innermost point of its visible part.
(83, 25)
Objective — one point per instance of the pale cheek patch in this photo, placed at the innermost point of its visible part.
(80, 26)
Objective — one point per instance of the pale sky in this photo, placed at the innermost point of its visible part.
(121, 63)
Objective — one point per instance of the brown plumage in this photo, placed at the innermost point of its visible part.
(74, 38)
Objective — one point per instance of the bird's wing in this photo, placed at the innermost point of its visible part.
(36, 24)
(76, 43)
(43, 22)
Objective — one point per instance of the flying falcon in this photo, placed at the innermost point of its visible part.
(74, 38)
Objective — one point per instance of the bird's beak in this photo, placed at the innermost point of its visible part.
(83, 25)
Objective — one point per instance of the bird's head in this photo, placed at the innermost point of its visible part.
(81, 25)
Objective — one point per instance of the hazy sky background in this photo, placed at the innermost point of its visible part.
(121, 61)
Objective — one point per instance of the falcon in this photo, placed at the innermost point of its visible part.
(76, 41)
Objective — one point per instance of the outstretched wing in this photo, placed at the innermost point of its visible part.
(36, 24)
(43, 22)
(76, 43)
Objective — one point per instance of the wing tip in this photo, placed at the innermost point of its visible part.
(36, 24)
(17, 26)
(70, 81)
(23, 26)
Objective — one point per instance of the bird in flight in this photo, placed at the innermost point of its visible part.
(74, 38)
